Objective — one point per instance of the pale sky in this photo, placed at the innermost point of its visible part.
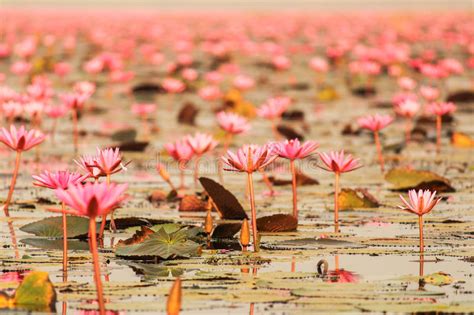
(253, 4)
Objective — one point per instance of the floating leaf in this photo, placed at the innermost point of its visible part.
(289, 133)
(404, 179)
(461, 140)
(226, 230)
(35, 293)
(53, 227)
(311, 243)
(227, 206)
(350, 199)
(301, 180)
(192, 203)
(126, 135)
(162, 245)
(133, 146)
(56, 244)
(461, 97)
(297, 115)
(364, 91)
(277, 223)
(438, 279)
(187, 114)
(327, 94)
(151, 271)
(138, 237)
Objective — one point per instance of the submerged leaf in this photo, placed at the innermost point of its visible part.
(405, 179)
(438, 279)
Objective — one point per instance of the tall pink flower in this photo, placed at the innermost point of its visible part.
(173, 86)
(58, 180)
(439, 109)
(375, 123)
(18, 140)
(109, 161)
(292, 150)
(243, 82)
(232, 123)
(200, 143)
(429, 93)
(420, 203)
(92, 200)
(273, 109)
(338, 163)
(407, 109)
(210, 93)
(75, 101)
(182, 153)
(250, 158)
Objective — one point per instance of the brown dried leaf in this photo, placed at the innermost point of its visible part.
(404, 179)
(227, 206)
(226, 230)
(192, 203)
(461, 140)
(138, 237)
(187, 114)
(301, 180)
(277, 223)
(289, 133)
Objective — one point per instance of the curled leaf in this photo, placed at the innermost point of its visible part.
(277, 223)
(227, 205)
(350, 199)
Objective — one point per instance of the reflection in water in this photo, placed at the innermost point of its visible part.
(13, 237)
(337, 275)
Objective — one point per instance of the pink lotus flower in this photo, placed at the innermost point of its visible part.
(376, 123)
(58, 180)
(109, 161)
(338, 163)
(92, 199)
(420, 203)
(452, 66)
(21, 139)
(173, 85)
(94, 66)
(213, 77)
(201, 143)
(429, 93)
(292, 150)
(84, 88)
(55, 111)
(250, 158)
(182, 153)
(143, 109)
(18, 140)
(319, 64)
(274, 107)
(407, 109)
(210, 93)
(189, 74)
(243, 82)
(40, 92)
(20, 68)
(232, 123)
(62, 69)
(86, 163)
(74, 100)
(440, 109)
(406, 83)
(281, 62)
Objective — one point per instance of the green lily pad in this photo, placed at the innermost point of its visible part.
(162, 245)
(55, 244)
(53, 227)
(403, 179)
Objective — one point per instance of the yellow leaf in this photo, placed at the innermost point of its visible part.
(462, 140)
(36, 290)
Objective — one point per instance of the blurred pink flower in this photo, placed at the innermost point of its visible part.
(58, 180)
(232, 123)
(21, 139)
(375, 122)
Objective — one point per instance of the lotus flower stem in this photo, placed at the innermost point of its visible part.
(267, 182)
(379, 150)
(196, 170)
(422, 244)
(75, 131)
(438, 133)
(336, 203)
(408, 131)
(53, 130)
(95, 259)
(254, 212)
(64, 242)
(181, 178)
(12, 183)
(293, 186)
